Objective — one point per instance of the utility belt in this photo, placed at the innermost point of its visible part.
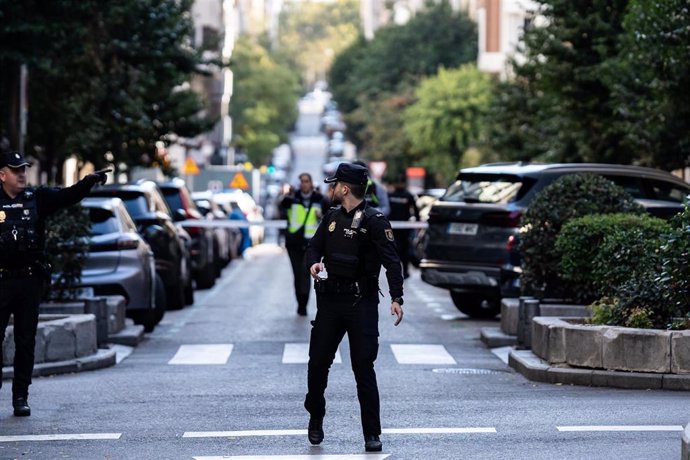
(360, 287)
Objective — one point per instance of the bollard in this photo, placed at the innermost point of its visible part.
(98, 307)
(521, 319)
(531, 309)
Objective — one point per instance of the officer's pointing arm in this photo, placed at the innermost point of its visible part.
(51, 200)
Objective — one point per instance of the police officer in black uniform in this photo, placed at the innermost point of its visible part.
(23, 268)
(350, 245)
(403, 206)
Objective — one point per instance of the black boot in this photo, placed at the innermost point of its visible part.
(372, 443)
(315, 432)
(21, 407)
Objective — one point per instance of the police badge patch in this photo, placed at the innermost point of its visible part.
(331, 227)
(389, 234)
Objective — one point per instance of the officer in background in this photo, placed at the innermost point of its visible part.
(304, 208)
(376, 195)
(354, 240)
(403, 207)
(23, 267)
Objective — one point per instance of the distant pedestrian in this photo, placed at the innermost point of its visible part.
(304, 208)
(23, 267)
(403, 207)
(376, 195)
(353, 240)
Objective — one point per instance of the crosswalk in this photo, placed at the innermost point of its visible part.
(298, 353)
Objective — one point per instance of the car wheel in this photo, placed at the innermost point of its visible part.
(189, 292)
(206, 277)
(161, 299)
(476, 305)
(176, 297)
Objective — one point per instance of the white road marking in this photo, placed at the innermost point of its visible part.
(298, 353)
(300, 457)
(502, 353)
(433, 304)
(202, 354)
(422, 354)
(451, 317)
(621, 428)
(439, 310)
(61, 437)
(438, 430)
(241, 434)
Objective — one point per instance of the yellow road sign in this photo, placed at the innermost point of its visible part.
(239, 182)
(190, 167)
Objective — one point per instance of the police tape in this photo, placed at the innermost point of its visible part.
(280, 224)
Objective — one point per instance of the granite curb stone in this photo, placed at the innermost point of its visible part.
(101, 359)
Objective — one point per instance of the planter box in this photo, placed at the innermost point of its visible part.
(510, 313)
(563, 340)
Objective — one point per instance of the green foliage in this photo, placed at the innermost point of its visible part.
(602, 251)
(651, 81)
(264, 104)
(560, 107)
(67, 247)
(312, 33)
(448, 117)
(103, 76)
(568, 197)
(675, 270)
(436, 37)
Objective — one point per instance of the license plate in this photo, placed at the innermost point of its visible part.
(457, 228)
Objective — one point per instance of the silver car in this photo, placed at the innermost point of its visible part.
(120, 262)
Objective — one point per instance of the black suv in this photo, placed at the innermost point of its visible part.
(203, 249)
(471, 242)
(151, 214)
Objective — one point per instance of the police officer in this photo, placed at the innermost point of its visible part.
(403, 207)
(23, 268)
(304, 208)
(353, 240)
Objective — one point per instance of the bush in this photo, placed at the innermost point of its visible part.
(600, 252)
(675, 269)
(67, 247)
(569, 196)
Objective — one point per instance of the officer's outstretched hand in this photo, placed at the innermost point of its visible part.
(99, 177)
(396, 309)
(315, 270)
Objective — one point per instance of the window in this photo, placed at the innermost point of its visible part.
(486, 188)
(668, 191)
(632, 185)
(102, 222)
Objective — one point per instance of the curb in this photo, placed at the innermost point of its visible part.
(685, 444)
(494, 337)
(534, 368)
(99, 360)
(131, 336)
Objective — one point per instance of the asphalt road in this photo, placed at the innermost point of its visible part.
(226, 377)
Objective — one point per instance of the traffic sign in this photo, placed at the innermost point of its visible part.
(239, 181)
(190, 167)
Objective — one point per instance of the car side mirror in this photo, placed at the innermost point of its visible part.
(179, 215)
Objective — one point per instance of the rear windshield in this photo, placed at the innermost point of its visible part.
(135, 202)
(102, 222)
(487, 188)
(172, 197)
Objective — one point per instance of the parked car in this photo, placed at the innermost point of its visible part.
(228, 239)
(252, 211)
(151, 214)
(206, 260)
(120, 262)
(471, 245)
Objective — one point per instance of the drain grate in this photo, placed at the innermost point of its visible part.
(466, 371)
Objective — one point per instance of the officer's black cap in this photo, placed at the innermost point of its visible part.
(350, 174)
(13, 160)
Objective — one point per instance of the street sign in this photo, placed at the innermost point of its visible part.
(190, 167)
(239, 182)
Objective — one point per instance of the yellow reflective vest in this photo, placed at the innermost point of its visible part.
(297, 216)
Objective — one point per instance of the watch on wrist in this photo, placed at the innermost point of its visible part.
(399, 300)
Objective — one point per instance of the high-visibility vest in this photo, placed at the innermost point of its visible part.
(297, 215)
(370, 193)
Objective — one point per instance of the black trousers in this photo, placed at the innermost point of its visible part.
(21, 297)
(300, 274)
(402, 241)
(336, 315)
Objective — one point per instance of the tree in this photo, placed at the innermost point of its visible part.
(448, 117)
(264, 105)
(435, 37)
(561, 107)
(653, 90)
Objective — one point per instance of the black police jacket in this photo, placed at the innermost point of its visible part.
(24, 217)
(367, 244)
